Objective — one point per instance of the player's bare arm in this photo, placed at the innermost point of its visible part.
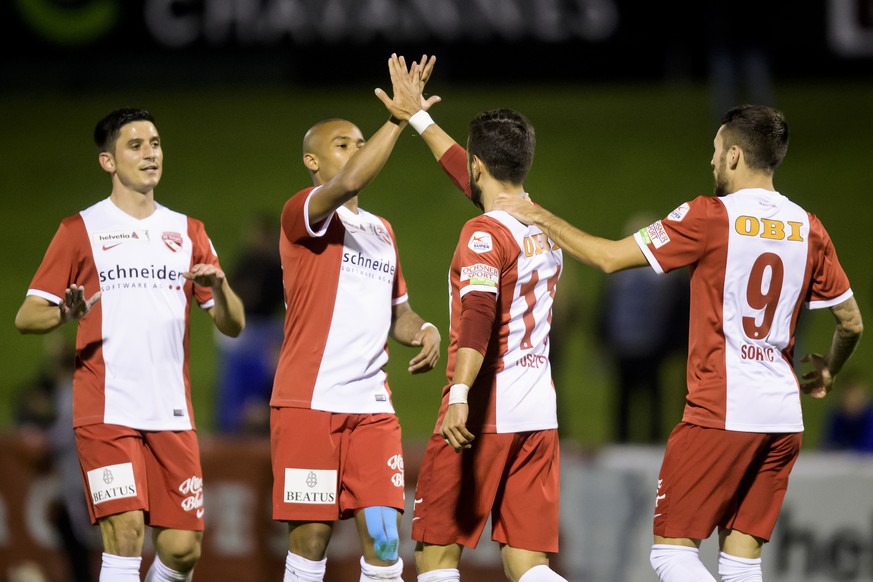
(227, 312)
(38, 315)
(607, 255)
(468, 362)
(369, 157)
(849, 327)
(409, 329)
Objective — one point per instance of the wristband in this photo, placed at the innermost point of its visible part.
(428, 324)
(458, 394)
(420, 121)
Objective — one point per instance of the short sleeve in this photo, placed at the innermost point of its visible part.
(61, 265)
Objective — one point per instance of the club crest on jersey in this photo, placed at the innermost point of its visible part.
(680, 212)
(173, 240)
(110, 239)
(480, 242)
(380, 232)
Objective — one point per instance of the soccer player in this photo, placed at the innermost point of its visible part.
(755, 259)
(126, 270)
(503, 278)
(335, 439)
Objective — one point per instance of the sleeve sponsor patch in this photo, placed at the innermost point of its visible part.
(480, 242)
(679, 213)
(655, 234)
(480, 274)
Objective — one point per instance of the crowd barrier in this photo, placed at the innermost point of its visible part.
(825, 531)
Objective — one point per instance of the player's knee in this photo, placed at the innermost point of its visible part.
(309, 539)
(181, 550)
(123, 534)
(382, 528)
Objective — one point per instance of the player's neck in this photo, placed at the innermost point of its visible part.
(749, 180)
(137, 204)
(490, 193)
(352, 204)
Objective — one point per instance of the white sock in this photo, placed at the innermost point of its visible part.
(444, 575)
(736, 569)
(299, 569)
(541, 573)
(678, 564)
(390, 573)
(160, 572)
(119, 568)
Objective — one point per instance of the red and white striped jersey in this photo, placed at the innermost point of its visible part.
(755, 259)
(521, 266)
(132, 348)
(342, 279)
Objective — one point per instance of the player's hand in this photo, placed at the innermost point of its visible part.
(426, 71)
(429, 340)
(520, 207)
(407, 86)
(454, 427)
(205, 275)
(75, 306)
(819, 379)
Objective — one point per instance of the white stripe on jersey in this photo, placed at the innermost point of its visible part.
(144, 314)
(525, 394)
(351, 378)
(764, 277)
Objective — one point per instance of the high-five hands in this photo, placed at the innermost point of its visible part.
(408, 87)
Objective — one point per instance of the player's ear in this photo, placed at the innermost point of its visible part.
(734, 156)
(475, 168)
(310, 162)
(107, 162)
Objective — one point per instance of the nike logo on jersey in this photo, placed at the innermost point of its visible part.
(112, 246)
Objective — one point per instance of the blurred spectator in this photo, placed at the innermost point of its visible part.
(247, 363)
(45, 411)
(849, 424)
(643, 320)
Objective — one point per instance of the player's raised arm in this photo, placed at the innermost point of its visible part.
(325, 150)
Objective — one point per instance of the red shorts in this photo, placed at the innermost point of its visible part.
(729, 479)
(158, 472)
(327, 465)
(514, 477)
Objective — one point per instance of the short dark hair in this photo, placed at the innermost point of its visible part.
(108, 128)
(760, 131)
(505, 141)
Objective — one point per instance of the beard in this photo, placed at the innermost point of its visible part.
(475, 190)
(720, 188)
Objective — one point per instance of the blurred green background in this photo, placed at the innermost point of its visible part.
(604, 152)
